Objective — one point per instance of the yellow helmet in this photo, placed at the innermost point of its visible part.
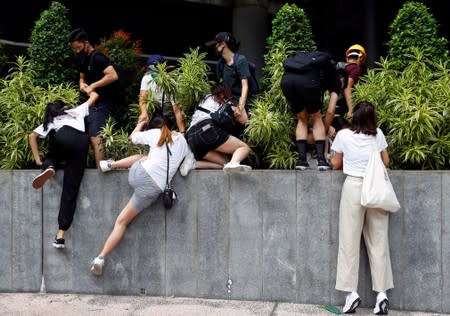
(358, 52)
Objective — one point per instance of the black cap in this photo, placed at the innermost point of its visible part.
(220, 37)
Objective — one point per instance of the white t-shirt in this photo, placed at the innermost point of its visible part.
(356, 149)
(148, 84)
(208, 103)
(156, 162)
(73, 117)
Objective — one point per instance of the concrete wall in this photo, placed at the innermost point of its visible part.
(274, 234)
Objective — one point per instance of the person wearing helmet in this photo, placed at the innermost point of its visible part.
(355, 57)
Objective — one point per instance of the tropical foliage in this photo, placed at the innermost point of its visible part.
(415, 27)
(413, 108)
(271, 125)
(49, 53)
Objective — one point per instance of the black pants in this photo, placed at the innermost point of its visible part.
(69, 149)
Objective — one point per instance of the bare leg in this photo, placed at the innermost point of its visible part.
(126, 162)
(60, 234)
(125, 217)
(236, 147)
(97, 147)
(301, 131)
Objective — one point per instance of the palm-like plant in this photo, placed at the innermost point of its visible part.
(413, 109)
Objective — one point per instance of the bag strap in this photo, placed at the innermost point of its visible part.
(168, 153)
(203, 110)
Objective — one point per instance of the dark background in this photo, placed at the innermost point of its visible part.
(171, 27)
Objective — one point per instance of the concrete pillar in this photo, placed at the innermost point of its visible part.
(250, 26)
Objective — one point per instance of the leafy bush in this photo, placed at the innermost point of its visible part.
(192, 82)
(413, 109)
(291, 25)
(271, 127)
(413, 27)
(124, 52)
(22, 106)
(50, 54)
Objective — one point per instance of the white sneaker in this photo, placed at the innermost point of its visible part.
(234, 167)
(106, 165)
(352, 301)
(382, 304)
(188, 164)
(97, 265)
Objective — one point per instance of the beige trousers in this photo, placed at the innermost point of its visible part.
(373, 224)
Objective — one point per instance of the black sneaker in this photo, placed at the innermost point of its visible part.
(59, 243)
(302, 165)
(40, 179)
(322, 165)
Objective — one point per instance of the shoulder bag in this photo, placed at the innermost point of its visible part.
(169, 195)
(377, 190)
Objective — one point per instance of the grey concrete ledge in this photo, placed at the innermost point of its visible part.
(273, 233)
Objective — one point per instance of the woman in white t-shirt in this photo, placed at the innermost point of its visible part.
(70, 145)
(352, 147)
(147, 176)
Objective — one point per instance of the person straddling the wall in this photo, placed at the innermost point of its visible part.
(70, 144)
(236, 76)
(303, 89)
(211, 144)
(96, 73)
(147, 177)
(355, 57)
(352, 147)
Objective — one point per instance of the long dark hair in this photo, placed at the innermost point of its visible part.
(52, 110)
(364, 119)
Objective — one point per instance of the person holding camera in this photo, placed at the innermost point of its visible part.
(147, 177)
(210, 144)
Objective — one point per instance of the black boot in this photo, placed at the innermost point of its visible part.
(302, 163)
(322, 164)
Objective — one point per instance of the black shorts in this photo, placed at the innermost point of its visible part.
(95, 121)
(204, 137)
(302, 91)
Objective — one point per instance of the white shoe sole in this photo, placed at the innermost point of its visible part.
(353, 307)
(39, 180)
(97, 269)
(239, 169)
(381, 308)
(58, 246)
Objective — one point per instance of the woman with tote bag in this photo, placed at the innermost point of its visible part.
(353, 147)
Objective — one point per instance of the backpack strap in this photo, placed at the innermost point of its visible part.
(91, 60)
(204, 110)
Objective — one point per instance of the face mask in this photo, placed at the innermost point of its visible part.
(218, 51)
(81, 57)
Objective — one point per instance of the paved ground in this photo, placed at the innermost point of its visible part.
(25, 304)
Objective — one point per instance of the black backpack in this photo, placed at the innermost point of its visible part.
(253, 85)
(223, 117)
(305, 61)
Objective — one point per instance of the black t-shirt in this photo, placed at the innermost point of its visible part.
(93, 68)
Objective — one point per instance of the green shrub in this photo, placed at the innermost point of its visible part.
(50, 54)
(414, 26)
(413, 109)
(192, 82)
(22, 106)
(271, 127)
(124, 52)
